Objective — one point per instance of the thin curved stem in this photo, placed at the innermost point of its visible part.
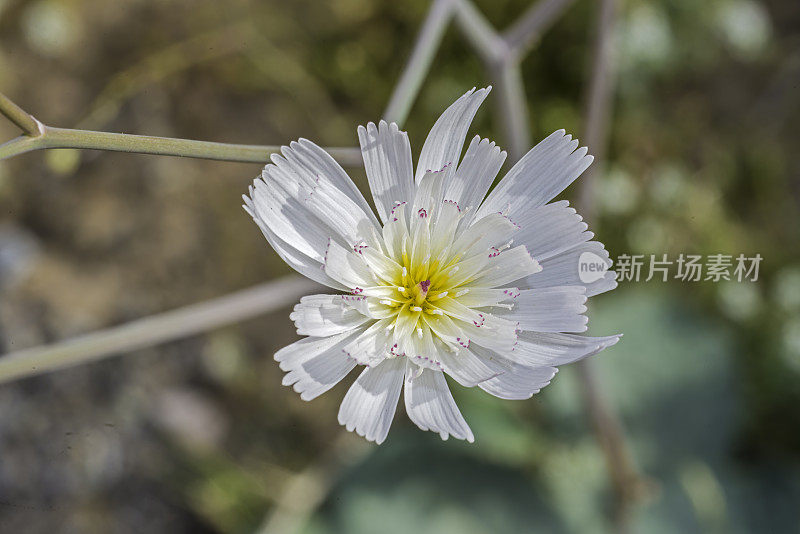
(425, 47)
(626, 482)
(598, 104)
(166, 146)
(484, 39)
(38, 136)
(19, 145)
(20, 117)
(512, 107)
(521, 35)
(155, 329)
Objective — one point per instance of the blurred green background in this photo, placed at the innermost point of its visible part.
(199, 436)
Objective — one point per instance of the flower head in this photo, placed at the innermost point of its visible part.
(486, 290)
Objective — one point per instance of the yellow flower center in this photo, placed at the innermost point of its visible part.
(419, 287)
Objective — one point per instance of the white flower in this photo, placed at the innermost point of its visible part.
(450, 282)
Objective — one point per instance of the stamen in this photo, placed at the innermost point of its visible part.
(424, 286)
(454, 203)
(415, 309)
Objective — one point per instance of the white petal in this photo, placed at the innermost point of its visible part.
(480, 297)
(347, 267)
(274, 203)
(443, 229)
(485, 328)
(420, 249)
(387, 161)
(536, 348)
(383, 267)
(467, 369)
(370, 403)
(507, 267)
(447, 331)
(304, 201)
(466, 271)
(552, 309)
(312, 162)
(446, 139)
(395, 231)
(471, 181)
(545, 171)
(282, 198)
(372, 346)
(455, 309)
(420, 349)
(341, 215)
(492, 230)
(552, 229)
(562, 270)
(517, 381)
(404, 327)
(325, 315)
(428, 196)
(430, 405)
(303, 264)
(369, 306)
(530, 366)
(315, 364)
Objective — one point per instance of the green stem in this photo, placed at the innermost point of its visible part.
(154, 329)
(18, 116)
(38, 136)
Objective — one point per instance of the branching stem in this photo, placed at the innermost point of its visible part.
(38, 136)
